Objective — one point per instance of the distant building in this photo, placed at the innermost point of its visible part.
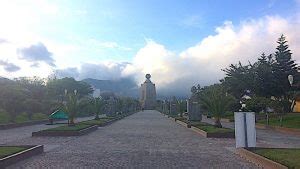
(148, 94)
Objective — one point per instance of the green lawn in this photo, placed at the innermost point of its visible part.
(287, 157)
(76, 127)
(289, 121)
(211, 128)
(6, 151)
(96, 122)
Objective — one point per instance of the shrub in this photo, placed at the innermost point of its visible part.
(4, 117)
(39, 116)
(23, 117)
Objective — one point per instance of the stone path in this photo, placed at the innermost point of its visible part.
(144, 140)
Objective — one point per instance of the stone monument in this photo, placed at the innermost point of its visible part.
(148, 94)
(193, 107)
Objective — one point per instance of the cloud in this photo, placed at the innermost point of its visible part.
(102, 71)
(9, 67)
(36, 53)
(67, 72)
(108, 45)
(175, 73)
(2, 40)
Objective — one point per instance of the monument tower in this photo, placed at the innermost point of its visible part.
(148, 94)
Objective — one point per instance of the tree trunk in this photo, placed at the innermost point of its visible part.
(218, 122)
(71, 121)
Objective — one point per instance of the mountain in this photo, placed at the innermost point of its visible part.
(123, 87)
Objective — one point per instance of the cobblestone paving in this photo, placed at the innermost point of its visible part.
(144, 140)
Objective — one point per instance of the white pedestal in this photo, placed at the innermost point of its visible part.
(245, 132)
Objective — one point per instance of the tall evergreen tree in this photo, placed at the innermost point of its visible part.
(283, 66)
(264, 80)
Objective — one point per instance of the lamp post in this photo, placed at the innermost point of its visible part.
(291, 79)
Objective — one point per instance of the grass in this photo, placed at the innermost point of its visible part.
(287, 157)
(6, 151)
(211, 128)
(96, 122)
(289, 121)
(76, 127)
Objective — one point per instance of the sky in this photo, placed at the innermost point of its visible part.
(181, 43)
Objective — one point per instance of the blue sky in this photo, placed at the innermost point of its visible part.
(176, 24)
(174, 40)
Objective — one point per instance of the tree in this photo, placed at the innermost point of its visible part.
(239, 78)
(217, 101)
(283, 67)
(56, 87)
(264, 79)
(71, 107)
(98, 106)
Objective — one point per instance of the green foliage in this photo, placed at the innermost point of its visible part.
(98, 104)
(4, 117)
(71, 107)
(258, 104)
(56, 87)
(215, 100)
(39, 116)
(265, 78)
(239, 78)
(283, 67)
(22, 117)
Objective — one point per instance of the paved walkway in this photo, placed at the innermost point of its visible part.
(144, 140)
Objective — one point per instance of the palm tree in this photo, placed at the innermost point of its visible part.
(71, 107)
(215, 100)
(97, 104)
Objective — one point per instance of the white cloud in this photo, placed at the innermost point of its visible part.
(108, 45)
(202, 63)
(102, 71)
